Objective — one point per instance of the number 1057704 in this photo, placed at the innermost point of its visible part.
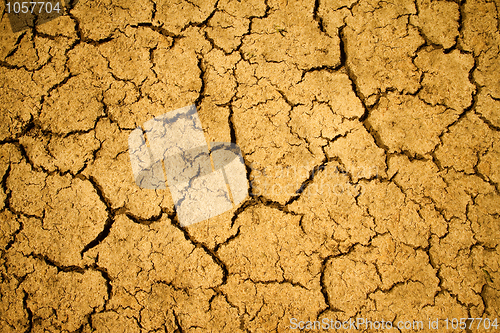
(32, 7)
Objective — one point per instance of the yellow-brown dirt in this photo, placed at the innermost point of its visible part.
(370, 131)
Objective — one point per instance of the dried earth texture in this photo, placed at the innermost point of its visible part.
(370, 132)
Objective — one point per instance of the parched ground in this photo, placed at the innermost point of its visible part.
(370, 132)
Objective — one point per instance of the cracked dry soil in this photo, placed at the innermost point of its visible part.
(371, 136)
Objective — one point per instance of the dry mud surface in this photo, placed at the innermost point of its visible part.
(371, 137)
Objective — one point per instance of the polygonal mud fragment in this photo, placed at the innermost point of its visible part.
(112, 172)
(246, 78)
(290, 34)
(460, 237)
(438, 21)
(123, 303)
(70, 153)
(404, 302)
(333, 14)
(73, 216)
(9, 155)
(489, 163)
(177, 16)
(269, 307)
(446, 78)
(484, 219)
(486, 264)
(420, 180)
(225, 316)
(119, 94)
(487, 68)
(220, 83)
(129, 53)
(63, 299)
(465, 277)
(17, 265)
(268, 249)
(433, 217)
(489, 108)
(481, 35)
(215, 121)
(13, 315)
(98, 20)
(332, 217)
(19, 101)
(60, 26)
(135, 256)
(317, 125)
(380, 45)
(113, 322)
(389, 270)
(159, 308)
(464, 143)
(348, 283)
(461, 192)
(394, 214)
(131, 115)
(280, 163)
(35, 146)
(31, 53)
(74, 106)
(405, 123)
(55, 70)
(397, 263)
(279, 160)
(26, 186)
(8, 38)
(195, 39)
(73, 152)
(480, 26)
(449, 191)
(44, 57)
(492, 305)
(281, 75)
(177, 82)
(8, 227)
(332, 88)
(85, 58)
(359, 154)
(226, 30)
(246, 9)
(445, 306)
(215, 230)
(165, 307)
